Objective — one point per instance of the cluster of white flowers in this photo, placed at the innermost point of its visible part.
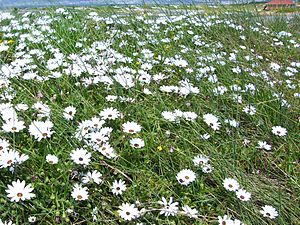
(204, 162)
(184, 89)
(35, 57)
(178, 114)
(95, 135)
(232, 185)
(250, 109)
(9, 158)
(167, 208)
(12, 123)
(226, 220)
(170, 208)
(264, 145)
(42, 109)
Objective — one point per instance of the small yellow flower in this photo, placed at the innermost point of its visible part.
(159, 148)
(10, 41)
(138, 63)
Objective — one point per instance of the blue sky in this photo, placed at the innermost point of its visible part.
(28, 3)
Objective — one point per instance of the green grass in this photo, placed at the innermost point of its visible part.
(272, 177)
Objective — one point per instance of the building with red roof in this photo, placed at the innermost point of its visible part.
(279, 4)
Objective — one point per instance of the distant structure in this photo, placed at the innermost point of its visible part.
(279, 4)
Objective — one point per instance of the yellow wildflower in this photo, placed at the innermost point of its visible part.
(160, 148)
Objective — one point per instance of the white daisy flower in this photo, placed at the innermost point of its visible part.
(205, 136)
(21, 107)
(264, 145)
(31, 219)
(169, 208)
(110, 113)
(275, 66)
(170, 116)
(269, 211)
(10, 157)
(200, 160)
(118, 187)
(3, 47)
(246, 142)
(41, 130)
(94, 176)
(131, 127)
(80, 193)
(69, 113)
(226, 220)
(231, 184)
(13, 126)
(98, 138)
(243, 195)
(8, 113)
(111, 98)
(222, 220)
(212, 121)
(6, 222)
(81, 156)
(137, 143)
(279, 131)
(186, 176)
(4, 145)
(107, 151)
(232, 123)
(190, 116)
(52, 159)
(147, 91)
(18, 191)
(97, 123)
(207, 168)
(128, 212)
(188, 211)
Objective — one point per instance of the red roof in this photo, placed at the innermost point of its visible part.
(281, 2)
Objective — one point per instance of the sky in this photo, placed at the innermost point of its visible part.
(40, 3)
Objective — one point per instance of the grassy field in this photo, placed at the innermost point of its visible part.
(124, 117)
